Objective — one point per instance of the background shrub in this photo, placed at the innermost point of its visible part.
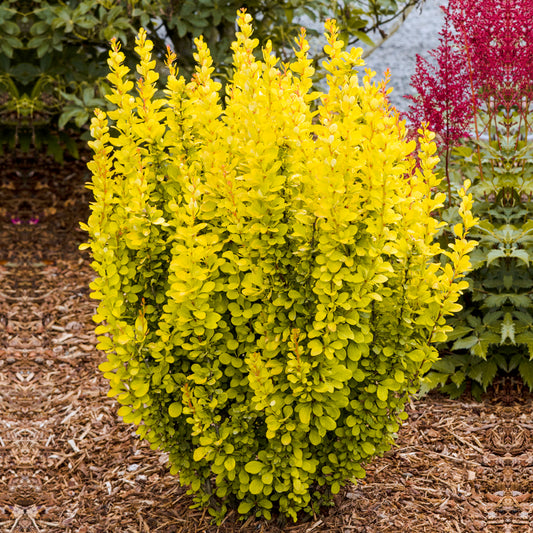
(269, 285)
(476, 92)
(52, 54)
(493, 333)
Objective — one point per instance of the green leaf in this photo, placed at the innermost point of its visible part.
(465, 343)
(342, 373)
(122, 339)
(368, 448)
(254, 467)
(182, 28)
(142, 390)
(458, 378)
(175, 409)
(124, 410)
(232, 344)
(199, 453)
(358, 375)
(508, 328)
(399, 376)
(256, 486)
(305, 413)
(81, 118)
(363, 37)
(458, 331)
(316, 347)
(107, 366)
(327, 423)
(314, 437)
(417, 355)
(245, 507)
(229, 464)
(289, 14)
(526, 372)
(521, 254)
(267, 478)
(444, 365)
(382, 393)
(484, 373)
(344, 332)
(493, 255)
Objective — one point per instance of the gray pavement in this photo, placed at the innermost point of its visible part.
(417, 35)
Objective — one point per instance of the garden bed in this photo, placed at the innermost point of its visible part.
(68, 464)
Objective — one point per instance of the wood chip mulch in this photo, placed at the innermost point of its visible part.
(68, 464)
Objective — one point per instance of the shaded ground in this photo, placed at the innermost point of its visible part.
(67, 464)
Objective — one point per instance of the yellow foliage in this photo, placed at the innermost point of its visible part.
(269, 277)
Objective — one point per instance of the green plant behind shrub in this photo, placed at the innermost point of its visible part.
(493, 333)
(269, 284)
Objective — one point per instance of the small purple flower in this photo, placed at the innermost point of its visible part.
(15, 220)
(34, 220)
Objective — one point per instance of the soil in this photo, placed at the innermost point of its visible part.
(68, 464)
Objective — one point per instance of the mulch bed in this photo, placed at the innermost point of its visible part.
(68, 464)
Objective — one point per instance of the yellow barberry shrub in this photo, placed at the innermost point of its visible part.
(270, 285)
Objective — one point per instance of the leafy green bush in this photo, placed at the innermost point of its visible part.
(493, 333)
(52, 54)
(269, 285)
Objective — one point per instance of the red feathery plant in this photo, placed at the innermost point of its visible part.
(484, 63)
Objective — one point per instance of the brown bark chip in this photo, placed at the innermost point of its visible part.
(67, 463)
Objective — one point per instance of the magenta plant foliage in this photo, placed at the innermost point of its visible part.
(497, 35)
(443, 99)
(484, 62)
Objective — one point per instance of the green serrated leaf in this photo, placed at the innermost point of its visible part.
(508, 328)
(521, 254)
(526, 372)
(465, 343)
(444, 365)
(494, 254)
